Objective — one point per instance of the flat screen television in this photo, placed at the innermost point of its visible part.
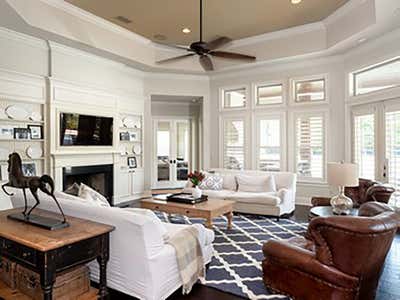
(84, 130)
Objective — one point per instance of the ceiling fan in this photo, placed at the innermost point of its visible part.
(204, 50)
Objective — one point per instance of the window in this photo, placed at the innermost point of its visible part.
(393, 148)
(364, 145)
(269, 94)
(234, 98)
(233, 144)
(269, 144)
(310, 146)
(309, 90)
(376, 78)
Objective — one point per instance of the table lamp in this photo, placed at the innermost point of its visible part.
(342, 175)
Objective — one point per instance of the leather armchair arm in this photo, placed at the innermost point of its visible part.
(380, 193)
(305, 261)
(320, 201)
(371, 209)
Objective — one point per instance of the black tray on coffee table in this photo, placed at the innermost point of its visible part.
(186, 198)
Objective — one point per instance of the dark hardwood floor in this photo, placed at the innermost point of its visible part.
(389, 284)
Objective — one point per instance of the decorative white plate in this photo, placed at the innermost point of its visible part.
(17, 112)
(129, 122)
(137, 149)
(35, 116)
(34, 152)
(138, 124)
(122, 150)
(4, 153)
(3, 115)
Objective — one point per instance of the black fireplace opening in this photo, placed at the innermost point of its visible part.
(99, 178)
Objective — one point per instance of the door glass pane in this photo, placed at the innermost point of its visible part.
(364, 145)
(182, 150)
(234, 144)
(393, 150)
(163, 151)
(270, 150)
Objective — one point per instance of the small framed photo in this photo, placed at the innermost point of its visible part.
(132, 162)
(22, 134)
(133, 137)
(124, 136)
(36, 132)
(6, 132)
(29, 169)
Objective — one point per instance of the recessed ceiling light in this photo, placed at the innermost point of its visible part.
(186, 30)
(296, 1)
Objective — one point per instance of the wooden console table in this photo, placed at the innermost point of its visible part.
(49, 252)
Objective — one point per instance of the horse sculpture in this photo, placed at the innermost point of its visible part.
(34, 183)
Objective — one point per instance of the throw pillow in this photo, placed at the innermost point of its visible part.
(73, 189)
(256, 184)
(229, 182)
(211, 182)
(90, 194)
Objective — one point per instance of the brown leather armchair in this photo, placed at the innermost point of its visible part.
(366, 191)
(342, 259)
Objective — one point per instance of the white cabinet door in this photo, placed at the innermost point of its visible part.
(138, 181)
(123, 183)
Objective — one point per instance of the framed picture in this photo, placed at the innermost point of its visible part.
(36, 132)
(124, 136)
(6, 132)
(133, 136)
(29, 169)
(132, 162)
(22, 134)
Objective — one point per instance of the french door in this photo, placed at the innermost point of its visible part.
(376, 142)
(172, 152)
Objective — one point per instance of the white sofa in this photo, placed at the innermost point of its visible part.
(141, 263)
(273, 203)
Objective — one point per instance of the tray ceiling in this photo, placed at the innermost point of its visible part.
(233, 18)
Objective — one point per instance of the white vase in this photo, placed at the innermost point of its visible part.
(196, 192)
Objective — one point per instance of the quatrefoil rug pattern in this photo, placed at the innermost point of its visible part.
(236, 265)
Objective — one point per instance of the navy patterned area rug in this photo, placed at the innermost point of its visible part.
(236, 265)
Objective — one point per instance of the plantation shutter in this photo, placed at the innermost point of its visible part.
(364, 145)
(269, 152)
(233, 143)
(393, 148)
(310, 146)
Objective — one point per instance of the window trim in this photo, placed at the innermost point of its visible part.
(325, 118)
(221, 98)
(283, 137)
(293, 93)
(255, 87)
(352, 78)
(233, 117)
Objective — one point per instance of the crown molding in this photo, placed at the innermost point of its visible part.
(278, 34)
(82, 14)
(23, 38)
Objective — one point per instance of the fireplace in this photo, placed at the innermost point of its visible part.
(99, 178)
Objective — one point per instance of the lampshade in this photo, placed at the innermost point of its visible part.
(342, 174)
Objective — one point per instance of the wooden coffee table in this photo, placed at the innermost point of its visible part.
(207, 210)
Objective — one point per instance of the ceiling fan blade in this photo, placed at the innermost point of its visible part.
(206, 63)
(172, 46)
(174, 58)
(232, 55)
(219, 42)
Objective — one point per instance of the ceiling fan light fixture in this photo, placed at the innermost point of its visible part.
(186, 30)
(296, 1)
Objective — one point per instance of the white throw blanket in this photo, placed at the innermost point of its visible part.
(189, 256)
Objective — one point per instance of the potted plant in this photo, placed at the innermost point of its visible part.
(196, 178)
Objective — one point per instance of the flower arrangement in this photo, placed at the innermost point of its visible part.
(196, 178)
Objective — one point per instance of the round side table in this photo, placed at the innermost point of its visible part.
(326, 211)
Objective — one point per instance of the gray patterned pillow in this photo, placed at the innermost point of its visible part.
(211, 182)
